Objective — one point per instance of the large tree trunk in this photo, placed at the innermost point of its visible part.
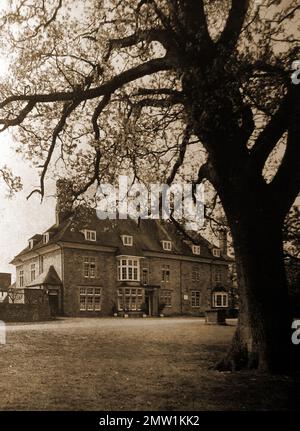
(263, 335)
(255, 211)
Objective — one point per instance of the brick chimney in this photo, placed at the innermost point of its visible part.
(223, 240)
(64, 195)
(5, 280)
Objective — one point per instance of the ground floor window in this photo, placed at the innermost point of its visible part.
(90, 299)
(130, 299)
(196, 298)
(165, 297)
(220, 299)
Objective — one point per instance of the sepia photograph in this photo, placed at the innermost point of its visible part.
(149, 209)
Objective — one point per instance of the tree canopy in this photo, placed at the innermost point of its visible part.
(100, 87)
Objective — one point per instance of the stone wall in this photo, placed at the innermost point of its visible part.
(106, 277)
(24, 312)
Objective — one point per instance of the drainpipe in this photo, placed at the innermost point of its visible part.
(181, 298)
(62, 279)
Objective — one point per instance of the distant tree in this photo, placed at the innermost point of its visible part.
(160, 86)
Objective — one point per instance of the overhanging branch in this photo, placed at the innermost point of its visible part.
(234, 25)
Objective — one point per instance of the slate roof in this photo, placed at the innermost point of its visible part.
(147, 237)
(49, 278)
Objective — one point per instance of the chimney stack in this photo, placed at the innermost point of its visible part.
(64, 195)
(223, 240)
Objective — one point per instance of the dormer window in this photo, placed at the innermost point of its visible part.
(127, 240)
(216, 252)
(46, 238)
(167, 245)
(90, 235)
(196, 249)
(31, 243)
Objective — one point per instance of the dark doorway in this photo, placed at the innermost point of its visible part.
(151, 302)
(53, 304)
(147, 303)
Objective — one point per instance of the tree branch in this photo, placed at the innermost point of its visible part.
(152, 35)
(147, 68)
(273, 131)
(181, 155)
(68, 108)
(234, 25)
(285, 185)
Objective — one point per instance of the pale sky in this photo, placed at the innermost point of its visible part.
(21, 218)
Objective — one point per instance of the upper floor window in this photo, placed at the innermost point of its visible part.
(41, 264)
(216, 252)
(128, 269)
(165, 274)
(90, 235)
(32, 272)
(89, 267)
(167, 245)
(21, 277)
(196, 249)
(218, 275)
(195, 273)
(31, 243)
(46, 238)
(145, 276)
(127, 240)
(220, 299)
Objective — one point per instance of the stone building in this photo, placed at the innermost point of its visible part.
(124, 267)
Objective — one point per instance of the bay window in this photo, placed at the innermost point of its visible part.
(128, 269)
(130, 299)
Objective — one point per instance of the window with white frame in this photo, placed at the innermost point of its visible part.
(216, 252)
(130, 299)
(46, 238)
(32, 272)
(90, 298)
(165, 297)
(31, 243)
(90, 235)
(220, 299)
(21, 277)
(89, 267)
(127, 240)
(196, 249)
(165, 273)
(128, 269)
(196, 298)
(167, 245)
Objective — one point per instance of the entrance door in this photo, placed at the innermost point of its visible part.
(53, 303)
(148, 302)
(151, 302)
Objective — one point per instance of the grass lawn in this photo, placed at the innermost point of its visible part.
(130, 364)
